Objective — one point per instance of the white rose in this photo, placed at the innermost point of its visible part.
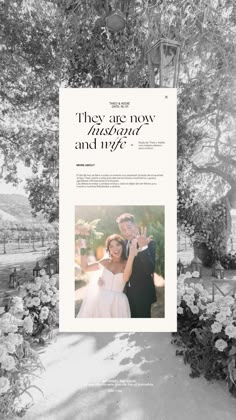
(199, 288)
(188, 275)
(211, 308)
(18, 303)
(188, 299)
(4, 384)
(227, 321)
(230, 331)
(180, 310)
(194, 309)
(45, 278)
(190, 291)
(29, 286)
(28, 324)
(226, 310)
(7, 323)
(53, 281)
(53, 301)
(195, 274)
(15, 339)
(45, 298)
(11, 348)
(35, 301)
(220, 344)
(44, 313)
(19, 322)
(3, 353)
(8, 363)
(36, 287)
(216, 327)
(229, 300)
(23, 293)
(28, 302)
(220, 317)
(201, 305)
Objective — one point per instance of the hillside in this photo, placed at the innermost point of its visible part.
(16, 207)
(7, 217)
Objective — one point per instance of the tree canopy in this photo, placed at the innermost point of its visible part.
(67, 43)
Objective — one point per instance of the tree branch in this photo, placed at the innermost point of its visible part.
(212, 169)
(226, 159)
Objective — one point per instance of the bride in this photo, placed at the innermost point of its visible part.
(108, 299)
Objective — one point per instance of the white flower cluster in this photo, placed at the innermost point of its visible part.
(221, 312)
(41, 294)
(224, 315)
(194, 295)
(9, 340)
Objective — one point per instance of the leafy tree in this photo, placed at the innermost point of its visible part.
(31, 68)
(66, 43)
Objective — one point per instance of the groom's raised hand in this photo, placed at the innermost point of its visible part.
(142, 238)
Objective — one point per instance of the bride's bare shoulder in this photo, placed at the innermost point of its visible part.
(104, 262)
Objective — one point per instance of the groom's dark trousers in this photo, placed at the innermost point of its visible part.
(140, 288)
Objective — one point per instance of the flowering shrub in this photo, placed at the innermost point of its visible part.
(87, 231)
(18, 361)
(206, 332)
(204, 223)
(40, 298)
(229, 261)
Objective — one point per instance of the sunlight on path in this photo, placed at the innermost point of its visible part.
(124, 376)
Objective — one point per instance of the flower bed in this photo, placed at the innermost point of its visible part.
(31, 318)
(18, 362)
(206, 332)
(40, 297)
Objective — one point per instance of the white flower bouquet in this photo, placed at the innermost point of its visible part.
(86, 231)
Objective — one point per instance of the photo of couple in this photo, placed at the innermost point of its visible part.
(123, 285)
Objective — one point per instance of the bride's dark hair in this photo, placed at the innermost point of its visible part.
(119, 240)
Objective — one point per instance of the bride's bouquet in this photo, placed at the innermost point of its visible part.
(86, 233)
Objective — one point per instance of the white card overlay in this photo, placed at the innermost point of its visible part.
(117, 147)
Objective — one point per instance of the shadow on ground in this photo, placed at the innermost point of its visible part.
(124, 376)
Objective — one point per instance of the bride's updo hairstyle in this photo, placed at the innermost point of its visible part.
(119, 240)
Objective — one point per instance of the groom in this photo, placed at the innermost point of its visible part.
(140, 289)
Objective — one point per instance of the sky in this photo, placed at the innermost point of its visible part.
(24, 173)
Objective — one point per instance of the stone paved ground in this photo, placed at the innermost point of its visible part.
(121, 376)
(124, 376)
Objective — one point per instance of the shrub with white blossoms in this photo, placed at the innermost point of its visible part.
(40, 297)
(17, 361)
(207, 331)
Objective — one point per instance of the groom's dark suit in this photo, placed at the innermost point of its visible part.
(140, 288)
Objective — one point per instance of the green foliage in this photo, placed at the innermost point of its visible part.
(158, 232)
(53, 43)
(206, 333)
(205, 223)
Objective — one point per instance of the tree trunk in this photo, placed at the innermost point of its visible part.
(231, 195)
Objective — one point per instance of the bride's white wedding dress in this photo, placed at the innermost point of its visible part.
(107, 300)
